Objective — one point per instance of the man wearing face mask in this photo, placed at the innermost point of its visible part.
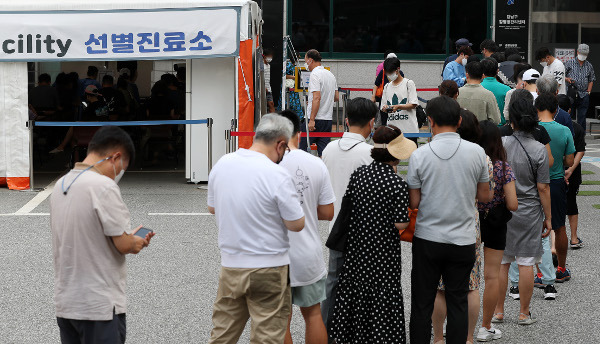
(455, 70)
(552, 66)
(322, 93)
(267, 58)
(580, 73)
(256, 204)
(91, 234)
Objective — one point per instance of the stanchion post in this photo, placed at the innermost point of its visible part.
(209, 124)
(337, 115)
(227, 141)
(30, 124)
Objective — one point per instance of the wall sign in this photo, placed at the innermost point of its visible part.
(512, 25)
(564, 55)
(119, 35)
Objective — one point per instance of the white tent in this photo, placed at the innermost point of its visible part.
(217, 72)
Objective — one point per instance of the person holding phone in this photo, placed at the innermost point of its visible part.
(91, 234)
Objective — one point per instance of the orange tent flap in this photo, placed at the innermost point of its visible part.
(18, 183)
(246, 108)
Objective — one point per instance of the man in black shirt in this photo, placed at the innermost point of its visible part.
(573, 174)
(115, 101)
(96, 109)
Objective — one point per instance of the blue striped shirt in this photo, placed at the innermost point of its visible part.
(582, 75)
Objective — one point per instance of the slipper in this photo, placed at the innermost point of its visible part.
(527, 321)
(578, 244)
(497, 320)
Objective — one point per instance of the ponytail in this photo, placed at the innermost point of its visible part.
(523, 115)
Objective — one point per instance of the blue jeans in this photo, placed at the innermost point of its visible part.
(321, 126)
(546, 267)
(336, 261)
(581, 107)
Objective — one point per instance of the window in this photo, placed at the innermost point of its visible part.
(310, 25)
(566, 5)
(590, 35)
(404, 26)
(555, 33)
(425, 29)
(468, 20)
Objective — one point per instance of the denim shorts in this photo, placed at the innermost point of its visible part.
(309, 295)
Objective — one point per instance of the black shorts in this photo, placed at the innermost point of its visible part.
(558, 202)
(493, 229)
(572, 192)
(87, 331)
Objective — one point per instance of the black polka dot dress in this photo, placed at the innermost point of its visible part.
(369, 307)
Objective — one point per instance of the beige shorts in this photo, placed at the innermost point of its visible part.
(523, 261)
(261, 294)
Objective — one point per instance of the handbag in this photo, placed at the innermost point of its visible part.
(495, 218)
(339, 232)
(421, 116)
(408, 233)
(379, 90)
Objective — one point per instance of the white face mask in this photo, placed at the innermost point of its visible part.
(464, 61)
(392, 77)
(269, 59)
(582, 57)
(120, 175)
(544, 63)
(306, 66)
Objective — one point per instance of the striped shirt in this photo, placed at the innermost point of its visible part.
(582, 75)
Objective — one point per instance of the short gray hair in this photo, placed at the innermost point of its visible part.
(547, 84)
(273, 127)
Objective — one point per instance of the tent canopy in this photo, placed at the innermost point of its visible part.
(80, 5)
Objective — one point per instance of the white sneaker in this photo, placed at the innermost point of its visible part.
(485, 335)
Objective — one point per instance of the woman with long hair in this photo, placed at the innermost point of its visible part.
(532, 221)
(493, 217)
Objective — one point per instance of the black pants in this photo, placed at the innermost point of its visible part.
(430, 261)
(321, 126)
(93, 332)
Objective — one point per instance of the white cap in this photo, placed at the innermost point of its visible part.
(531, 74)
(125, 71)
(390, 55)
(583, 49)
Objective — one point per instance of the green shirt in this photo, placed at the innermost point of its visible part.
(561, 145)
(499, 90)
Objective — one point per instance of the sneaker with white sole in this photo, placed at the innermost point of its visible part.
(550, 292)
(485, 335)
(514, 293)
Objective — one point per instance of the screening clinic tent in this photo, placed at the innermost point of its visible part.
(218, 40)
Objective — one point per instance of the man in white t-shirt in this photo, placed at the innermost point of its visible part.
(307, 266)
(399, 98)
(322, 93)
(552, 66)
(255, 203)
(91, 234)
(342, 157)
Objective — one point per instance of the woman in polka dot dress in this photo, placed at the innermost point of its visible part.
(369, 307)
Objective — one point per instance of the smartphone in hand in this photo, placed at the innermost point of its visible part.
(142, 232)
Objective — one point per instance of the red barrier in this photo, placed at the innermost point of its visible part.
(315, 134)
(371, 90)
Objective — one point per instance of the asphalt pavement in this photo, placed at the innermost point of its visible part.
(172, 284)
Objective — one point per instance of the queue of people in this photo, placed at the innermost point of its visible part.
(509, 187)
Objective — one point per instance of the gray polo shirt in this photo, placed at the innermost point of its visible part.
(89, 272)
(447, 171)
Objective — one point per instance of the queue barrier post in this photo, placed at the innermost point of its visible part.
(209, 124)
(30, 125)
(227, 141)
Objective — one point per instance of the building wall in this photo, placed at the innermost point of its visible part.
(361, 75)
